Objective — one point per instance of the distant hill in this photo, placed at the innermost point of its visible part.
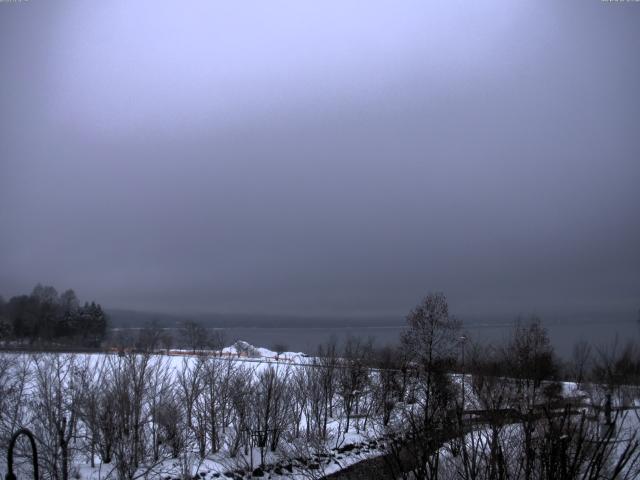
(120, 318)
(130, 318)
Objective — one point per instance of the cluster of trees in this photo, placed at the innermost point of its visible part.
(132, 413)
(188, 335)
(504, 415)
(44, 315)
(138, 414)
(440, 406)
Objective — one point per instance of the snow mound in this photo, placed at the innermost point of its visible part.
(245, 349)
(242, 348)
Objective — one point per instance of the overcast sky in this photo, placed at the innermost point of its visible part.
(322, 157)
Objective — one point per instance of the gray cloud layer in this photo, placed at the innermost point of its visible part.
(322, 157)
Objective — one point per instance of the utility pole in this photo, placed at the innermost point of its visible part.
(463, 340)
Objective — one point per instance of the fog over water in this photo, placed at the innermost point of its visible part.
(603, 335)
(323, 158)
(604, 332)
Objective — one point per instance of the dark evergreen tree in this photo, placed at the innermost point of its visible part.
(44, 315)
(6, 328)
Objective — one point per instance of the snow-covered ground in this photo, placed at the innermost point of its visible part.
(295, 456)
(293, 459)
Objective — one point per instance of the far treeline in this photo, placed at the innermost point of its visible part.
(46, 316)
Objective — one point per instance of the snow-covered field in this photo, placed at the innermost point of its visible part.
(241, 412)
(247, 389)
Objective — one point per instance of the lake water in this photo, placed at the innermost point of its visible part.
(564, 335)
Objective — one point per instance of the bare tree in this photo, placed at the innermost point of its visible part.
(243, 384)
(581, 361)
(169, 418)
(151, 337)
(128, 396)
(386, 382)
(312, 391)
(353, 376)
(480, 448)
(194, 336)
(190, 387)
(92, 409)
(15, 376)
(56, 405)
(218, 381)
(532, 361)
(160, 393)
(327, 364)
(431, 341)
(271, 405)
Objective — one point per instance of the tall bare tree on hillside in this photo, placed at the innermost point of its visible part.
(431, 343)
